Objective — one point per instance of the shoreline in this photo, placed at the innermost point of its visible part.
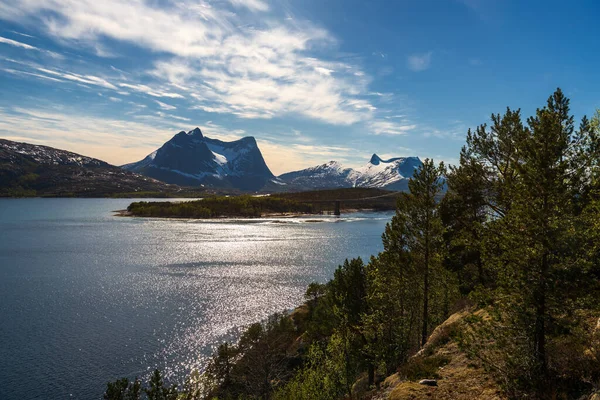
(128, 214)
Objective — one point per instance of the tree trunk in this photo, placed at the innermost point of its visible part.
(540, 328)
(425, 293)
(371, 374)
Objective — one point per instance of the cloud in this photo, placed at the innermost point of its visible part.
(419, 62)
(88, 79)
(178, 118)
(165, 106)
(388, 127)
(259, 69)
(113, 140)
(26, 46)
(25, 73)
(17, 44)
(253, 5)
(23, 34)
(150, 91)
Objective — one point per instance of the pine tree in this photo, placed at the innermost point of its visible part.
(422, 228)
(535, 192)
(464, 213)
(158, 390)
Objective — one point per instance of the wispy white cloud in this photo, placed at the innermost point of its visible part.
(253, 5)
(26, 46)
(25, 73)
(87, 79)
(17, 44)
(150, 91)
(259, 69)
(176, 117)
(390, 127)
(165, 106)
(419, 62)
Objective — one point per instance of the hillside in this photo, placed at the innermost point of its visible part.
(457, 375)
(32, 170)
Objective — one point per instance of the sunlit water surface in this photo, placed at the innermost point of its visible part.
(87, 297)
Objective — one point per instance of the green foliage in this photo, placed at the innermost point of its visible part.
(122, 389)
(538, 194)
(258, 365)
(157, 389)
(213, 207)
(321, 378)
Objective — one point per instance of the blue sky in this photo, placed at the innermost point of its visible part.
(312, 80)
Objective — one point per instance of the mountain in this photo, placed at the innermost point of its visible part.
(392, 174)
(326, 176)
(31, 170)
(195, 160)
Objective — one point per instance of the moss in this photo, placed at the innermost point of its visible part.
(411, 390)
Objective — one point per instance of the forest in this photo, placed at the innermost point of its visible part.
(244, 206)
(497, 257)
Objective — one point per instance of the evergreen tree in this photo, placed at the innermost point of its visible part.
(158, 390)
(530, 239)
(423, 229)
(122, 389)
(464, 213)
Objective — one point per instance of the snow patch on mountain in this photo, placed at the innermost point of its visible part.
(390, 174)
(192, 159)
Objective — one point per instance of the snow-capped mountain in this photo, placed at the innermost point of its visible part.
(325, 176)
(192, 159)
(392, 174)
(27, 169)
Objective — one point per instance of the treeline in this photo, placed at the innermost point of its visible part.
(351, 198)
(222, 206)
(516, 238)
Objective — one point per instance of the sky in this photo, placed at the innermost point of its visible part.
(311, 80)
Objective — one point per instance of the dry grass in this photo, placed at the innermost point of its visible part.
(461, 379)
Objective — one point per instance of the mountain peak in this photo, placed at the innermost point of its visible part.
(192, 159)
(375, 160)
(196, 132)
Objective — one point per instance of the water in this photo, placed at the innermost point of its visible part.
(87, 297)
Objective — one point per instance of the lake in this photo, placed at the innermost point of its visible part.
(87, 297)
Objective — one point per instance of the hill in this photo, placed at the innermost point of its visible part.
(32, 170)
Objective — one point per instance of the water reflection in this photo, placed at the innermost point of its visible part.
(88, 297)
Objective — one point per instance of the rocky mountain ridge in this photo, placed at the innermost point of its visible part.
(191, 159)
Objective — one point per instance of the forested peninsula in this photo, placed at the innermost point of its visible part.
(489, 290)
(248, 206)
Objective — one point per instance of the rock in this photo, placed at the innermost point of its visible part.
(428, 382)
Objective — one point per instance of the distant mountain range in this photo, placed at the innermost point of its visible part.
(31, 170)
(188, 159)
(191, 159)
(392, 174)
